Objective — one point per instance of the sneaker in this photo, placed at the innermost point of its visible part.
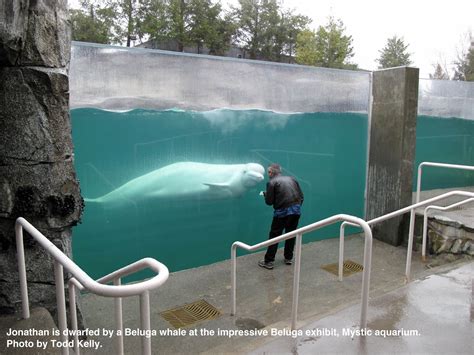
(266, 264)
(288, 261)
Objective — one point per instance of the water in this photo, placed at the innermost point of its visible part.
(444, 140)
(326, 152)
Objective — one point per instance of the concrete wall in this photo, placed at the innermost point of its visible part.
(391, 149)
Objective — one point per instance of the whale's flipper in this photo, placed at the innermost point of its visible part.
(219, 189)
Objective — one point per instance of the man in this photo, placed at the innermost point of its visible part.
(285, 195)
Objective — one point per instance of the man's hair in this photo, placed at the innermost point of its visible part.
(275, 168)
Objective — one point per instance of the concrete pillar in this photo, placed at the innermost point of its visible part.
(392, 140)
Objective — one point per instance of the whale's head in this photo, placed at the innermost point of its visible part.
(252, 174)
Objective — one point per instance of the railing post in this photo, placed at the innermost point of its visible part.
(145, 322)
(410, 244)
(119, 320)
(233, 281)
(61, 303)
(73, 313)
(418, 183)
(296, 281)
(341, 249)
(425, 230)
(20, 250)
(366, 275)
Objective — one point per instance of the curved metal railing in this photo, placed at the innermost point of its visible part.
(399, 212)
(425, 220)
(82, 281)
(298, 233)
(437, 165)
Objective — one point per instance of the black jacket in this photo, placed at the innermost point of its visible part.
(282, 192)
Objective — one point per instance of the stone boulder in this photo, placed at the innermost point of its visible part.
(37, 176)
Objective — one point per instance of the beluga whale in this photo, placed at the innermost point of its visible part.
(186, 180)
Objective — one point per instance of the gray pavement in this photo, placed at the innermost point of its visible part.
(263, 298)
(428, 316)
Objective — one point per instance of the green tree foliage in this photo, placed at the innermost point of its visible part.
(152, 19)
(306, 51)
(464, 64)
(188, 22)
(290, 26)
(266, 30)
(440, 73)
(328, 47)
(91, 23)
(204, 26)
(126, 19)
(394, 54)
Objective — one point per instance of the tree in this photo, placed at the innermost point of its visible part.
(440, 73)
(125, 16)
(266, 30)
(329, 47)
(152, 19)
(394, 54)
(256, 21)
(464, 64)
(290, 26)
(187, 22)
(91, 23)
(306, 51)
(206, 27)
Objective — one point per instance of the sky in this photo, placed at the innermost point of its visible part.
(436, 31)
(432, 29)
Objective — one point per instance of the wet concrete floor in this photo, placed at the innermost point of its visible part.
(428, 316)
(264, 302)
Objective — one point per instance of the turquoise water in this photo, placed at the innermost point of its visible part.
(444, 140)
(326, 152)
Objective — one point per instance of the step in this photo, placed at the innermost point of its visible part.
(29, 336)
(450, 231)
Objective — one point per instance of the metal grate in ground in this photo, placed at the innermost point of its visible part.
(190, 314)
(349, 267)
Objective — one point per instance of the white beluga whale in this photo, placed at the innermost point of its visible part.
(186, 180)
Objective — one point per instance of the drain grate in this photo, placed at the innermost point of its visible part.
(349, 267)
(190, 314)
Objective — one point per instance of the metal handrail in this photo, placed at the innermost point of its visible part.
(399, 212)
(439, 165)
(83, 281)
(298, 233)
(425, 221)
(116, 276)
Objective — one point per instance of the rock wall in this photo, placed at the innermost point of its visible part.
(447, 236)
(37, 176)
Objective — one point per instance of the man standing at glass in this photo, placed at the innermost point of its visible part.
(285, 195)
